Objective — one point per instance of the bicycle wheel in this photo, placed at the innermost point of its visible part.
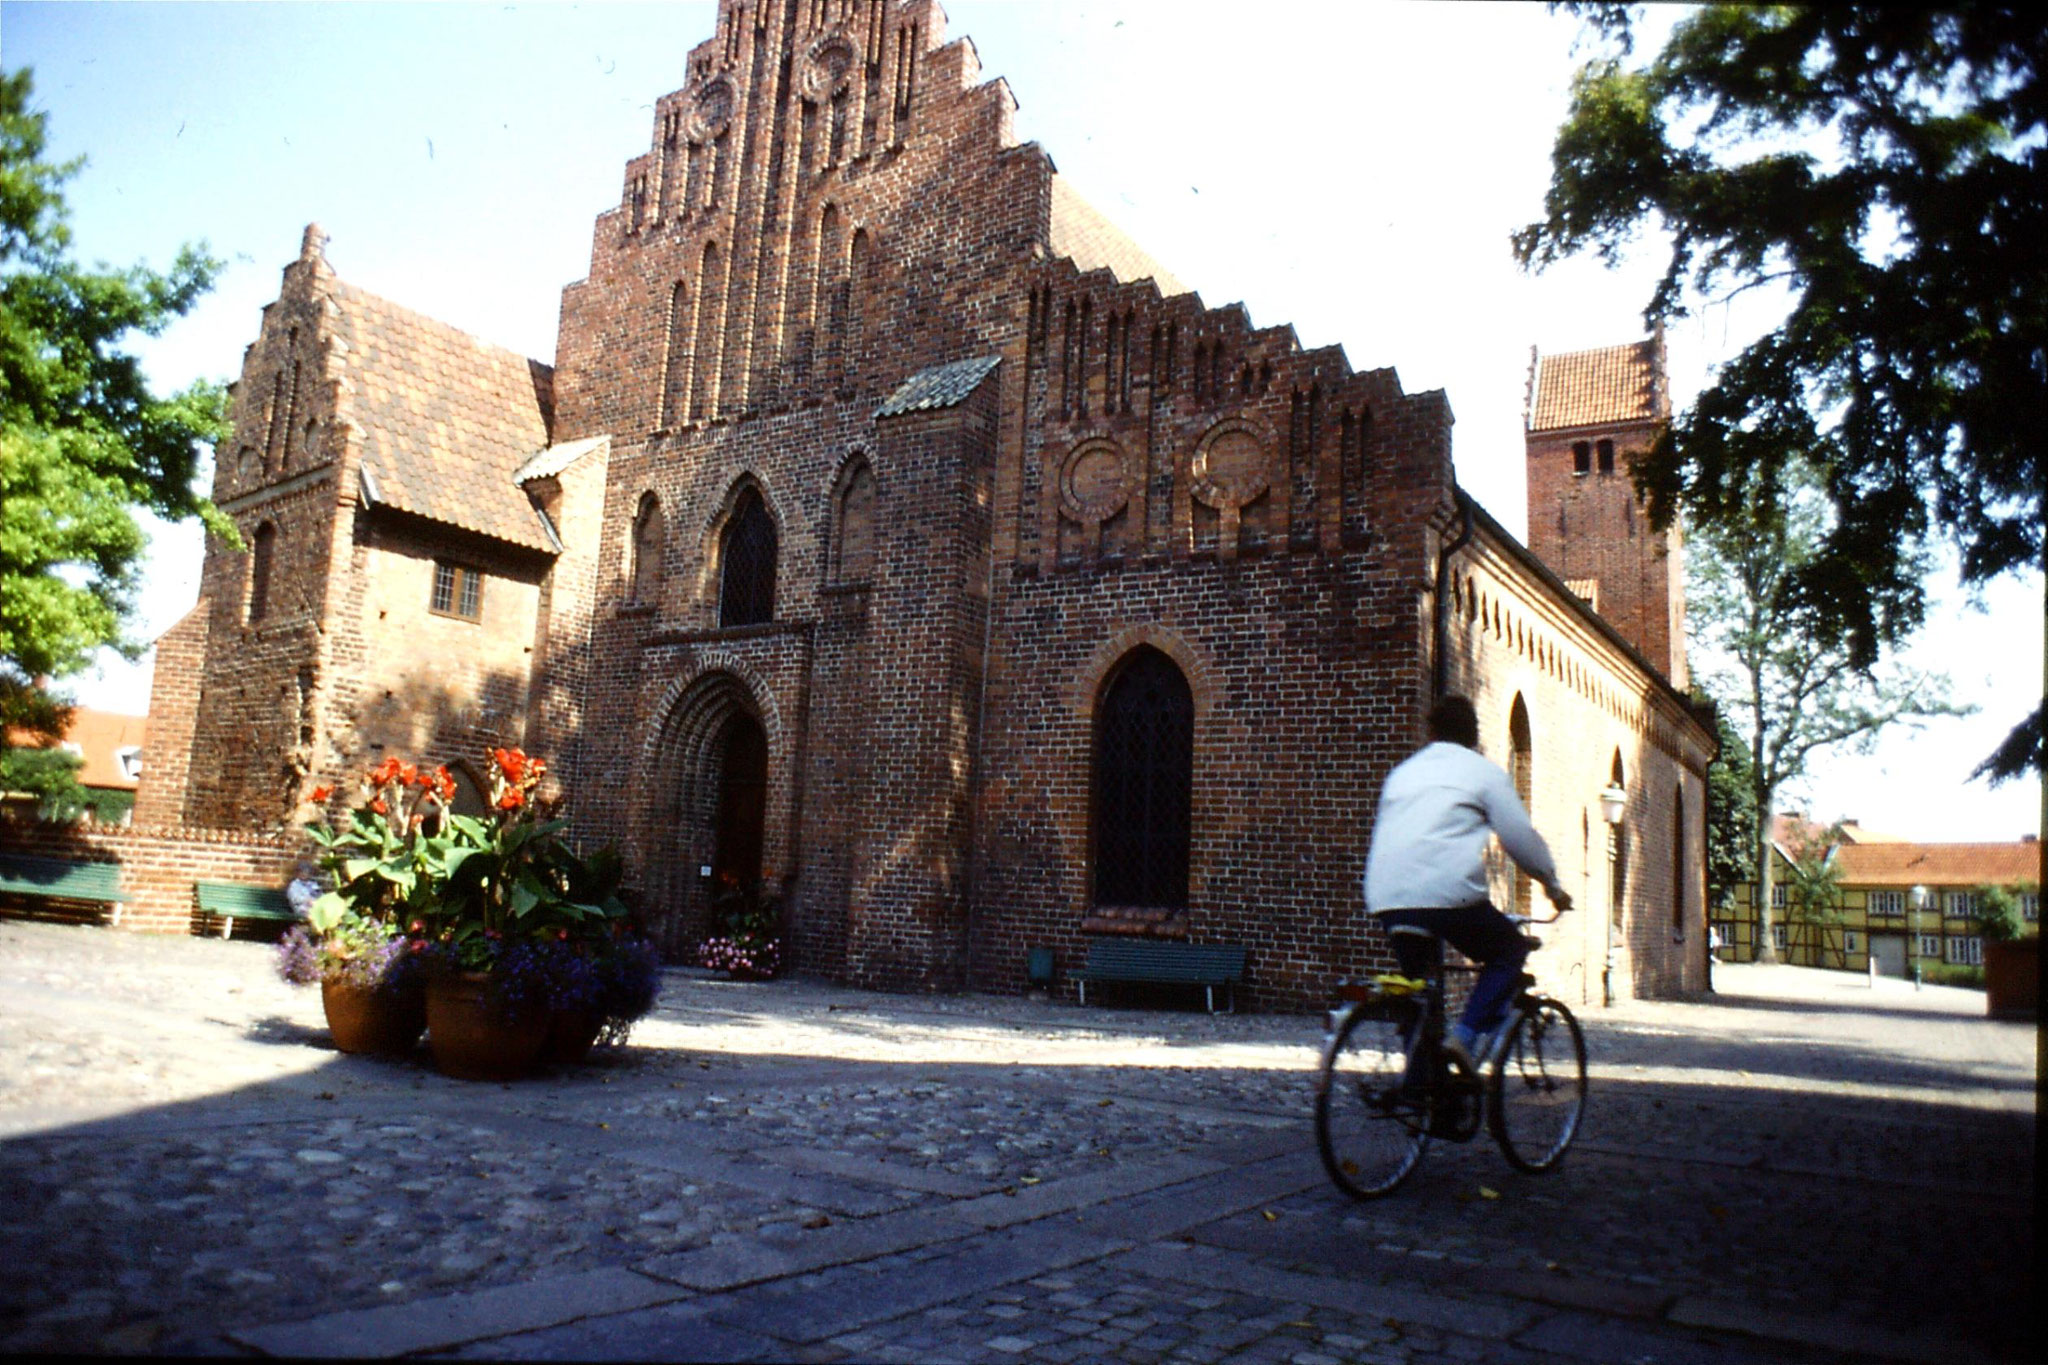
(1538, 1086)
(1370, 1133)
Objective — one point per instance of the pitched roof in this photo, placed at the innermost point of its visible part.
(941, 386)
(1606, 385)
(98, 737)
(1093, 242)
(447, 419)
(1906, 864)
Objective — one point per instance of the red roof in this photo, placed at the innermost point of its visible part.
(447, 419)
(1606, 386)
(98, 737)
(1905, 864)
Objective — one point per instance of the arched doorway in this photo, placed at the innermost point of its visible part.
(736, 836)
(705, 828)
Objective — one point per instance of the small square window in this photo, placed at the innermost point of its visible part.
(458, 591)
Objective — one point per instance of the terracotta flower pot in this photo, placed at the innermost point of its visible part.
(471, 1039)
(384, 1023)
(571, 1035)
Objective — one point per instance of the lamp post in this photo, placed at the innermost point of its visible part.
(1613, 802)
(1918, 898)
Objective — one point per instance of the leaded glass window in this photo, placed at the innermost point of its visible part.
(747, 587)
(1144, 777)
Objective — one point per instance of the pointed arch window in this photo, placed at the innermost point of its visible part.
(856, 509)
(647, 538)
(746, 556)
(262, 554)
(1144, 783)
(1522, 768)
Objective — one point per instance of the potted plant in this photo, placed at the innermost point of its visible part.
(512, 915)
(368, 977)
(352, 942)
(750, 949)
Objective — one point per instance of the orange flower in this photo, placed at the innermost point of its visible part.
(511, 800)
(378, 806)
(321, 795)
(444, 784)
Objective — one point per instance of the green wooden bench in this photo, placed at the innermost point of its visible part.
(230, 901)
(63, 879)
(1167, 962)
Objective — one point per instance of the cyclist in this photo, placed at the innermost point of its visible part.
(1426, 866)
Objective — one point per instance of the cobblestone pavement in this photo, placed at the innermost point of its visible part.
(1803, 1168)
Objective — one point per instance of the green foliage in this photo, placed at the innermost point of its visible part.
(1886, 167)
(1951, 974)
(49, 775)
(83, 440)
(1999, 917)
(1731, 816)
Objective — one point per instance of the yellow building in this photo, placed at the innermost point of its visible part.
(1904, 903)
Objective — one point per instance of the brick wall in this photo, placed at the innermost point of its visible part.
(159, 865)
(179, 664)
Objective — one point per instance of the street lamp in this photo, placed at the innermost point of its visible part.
(1919, 898)
(1613, 802)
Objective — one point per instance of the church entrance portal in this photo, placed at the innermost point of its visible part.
(742, 803)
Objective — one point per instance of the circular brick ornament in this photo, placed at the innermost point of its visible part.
(828, 67)
(710, 112)
(1231, 469)
(1095, 481)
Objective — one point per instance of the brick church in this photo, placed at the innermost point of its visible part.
(892, 530)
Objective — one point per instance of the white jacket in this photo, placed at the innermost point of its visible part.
(1429, 839)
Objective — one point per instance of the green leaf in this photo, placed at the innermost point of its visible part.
(326, 912)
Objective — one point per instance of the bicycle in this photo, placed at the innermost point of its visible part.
(1387, 1084)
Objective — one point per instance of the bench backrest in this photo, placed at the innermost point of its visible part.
(26, 875)
(1168, 961)
(236, 899)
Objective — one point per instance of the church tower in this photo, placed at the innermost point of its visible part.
(1589, 414)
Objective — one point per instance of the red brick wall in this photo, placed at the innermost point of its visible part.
(173, 717)
(160, 865)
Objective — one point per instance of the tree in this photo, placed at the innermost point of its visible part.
(1731, 814)
(1887, 167)
(1776, 664)
(83, 440)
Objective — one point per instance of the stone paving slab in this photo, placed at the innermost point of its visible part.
(457, 1318)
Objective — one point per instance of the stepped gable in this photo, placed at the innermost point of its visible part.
(1605, 386)
(446, 419)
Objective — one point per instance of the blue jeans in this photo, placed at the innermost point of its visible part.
(1481, 933)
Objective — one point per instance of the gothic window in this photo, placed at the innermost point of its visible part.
(1678, 861)
(857, 525)
(746, 557)
(1143, 783)
(1522, 768)
(675, 379)
(458, 591)
(262, 551)
(646, 576)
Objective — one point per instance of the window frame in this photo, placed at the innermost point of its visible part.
(465, 591)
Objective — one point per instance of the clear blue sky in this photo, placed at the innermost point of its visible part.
(1353, 169)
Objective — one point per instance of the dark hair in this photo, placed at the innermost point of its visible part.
(1453, 721)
